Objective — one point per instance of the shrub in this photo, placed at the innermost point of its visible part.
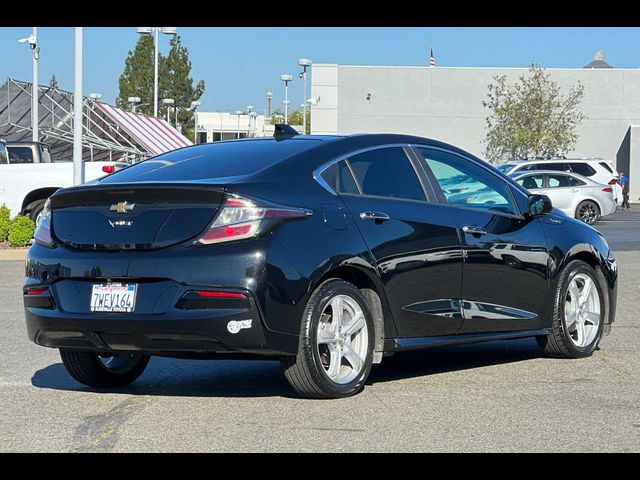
(21, 231)
(5, 223)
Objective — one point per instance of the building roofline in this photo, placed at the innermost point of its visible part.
(470, 67)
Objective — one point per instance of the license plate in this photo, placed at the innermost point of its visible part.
(113, 297)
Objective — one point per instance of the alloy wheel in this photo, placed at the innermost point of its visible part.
(342, 339)
(582, 310)
(588, 213)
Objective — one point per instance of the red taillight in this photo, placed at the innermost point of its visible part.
(108, 168)
(607, 189)
(241, 218)
(219, 294)
(613, 181)
(36, 291)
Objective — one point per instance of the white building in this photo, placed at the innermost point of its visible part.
(217, 126)
(445, 103)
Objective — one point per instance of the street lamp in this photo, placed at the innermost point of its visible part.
(304, 63)
(253, 117)
(168, 102)
(238, 113)
(32, 40)
(286, 78)
(194, 107)
(156, 31)
(95, 96)
(134, 102)
(269, 98)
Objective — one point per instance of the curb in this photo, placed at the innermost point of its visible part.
(12, 255)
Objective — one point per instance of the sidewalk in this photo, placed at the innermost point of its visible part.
(13, 254)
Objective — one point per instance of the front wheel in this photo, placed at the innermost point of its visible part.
(336, 343)
(588, 212)
(578, 315)
(103, 370)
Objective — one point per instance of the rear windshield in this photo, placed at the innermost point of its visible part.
(213, 160)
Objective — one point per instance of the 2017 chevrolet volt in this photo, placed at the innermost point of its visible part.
(329, 252)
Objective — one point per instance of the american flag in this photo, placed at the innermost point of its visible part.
(432, 59)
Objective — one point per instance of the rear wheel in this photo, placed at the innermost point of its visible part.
(336, 343)
(579, 313)
(588, 212)
(103, 370)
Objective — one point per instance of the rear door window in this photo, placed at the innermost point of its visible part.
(576, 182)
(559, 181)
(20, 155)
(386, 172)
(583, 169)
(559, 166)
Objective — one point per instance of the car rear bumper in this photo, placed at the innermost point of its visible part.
(168, 317)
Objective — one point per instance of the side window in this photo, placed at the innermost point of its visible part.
(465, 184)
(20, 155)
(531, 181)
(559, 181)
(576, 182)
(386, 172)
(606, 166)
(339, 178)
(558, 166)
(583, 169)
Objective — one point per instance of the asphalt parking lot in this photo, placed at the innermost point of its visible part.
(499, 396)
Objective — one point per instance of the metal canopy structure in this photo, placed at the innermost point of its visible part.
(108, 133)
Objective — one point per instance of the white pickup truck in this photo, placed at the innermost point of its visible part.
(28, 176)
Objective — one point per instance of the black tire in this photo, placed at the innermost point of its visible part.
(588, 206)
(558, 343)
(88, 369)
(305, 371)
(35, 208)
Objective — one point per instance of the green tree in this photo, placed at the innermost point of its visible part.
(531, 118)
(137, 78)
(295, 117)
(53, 82)
(176, 83)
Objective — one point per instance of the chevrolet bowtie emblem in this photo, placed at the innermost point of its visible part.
(122, 207)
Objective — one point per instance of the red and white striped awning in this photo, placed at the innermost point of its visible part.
(154, 134)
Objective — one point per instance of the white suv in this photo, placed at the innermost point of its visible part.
(596, 169)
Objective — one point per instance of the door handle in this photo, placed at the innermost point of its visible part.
(574, 190)
(474, 230)
(377, 217)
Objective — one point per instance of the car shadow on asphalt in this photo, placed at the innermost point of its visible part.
(264, 378)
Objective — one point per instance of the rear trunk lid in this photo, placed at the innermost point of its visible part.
(132, 216)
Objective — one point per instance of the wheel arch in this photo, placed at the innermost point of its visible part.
(590, 199)
(372, 290)
(37, 194)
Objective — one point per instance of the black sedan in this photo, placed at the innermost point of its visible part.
(329, 252)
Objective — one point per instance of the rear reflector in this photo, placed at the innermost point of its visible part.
(36, 291)
(108, 168)
(219, 294)
(607, 189)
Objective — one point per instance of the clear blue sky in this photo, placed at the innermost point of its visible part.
(239, 64)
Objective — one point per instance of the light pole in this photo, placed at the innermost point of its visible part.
(156, 31)
(194, 107)
(304, 63)
(134, 102)
(286, 78)
(168, 102)
(269, 98)
(78, 167)
(238, 113)
(249, 112)
(32, 40)
(254, 116)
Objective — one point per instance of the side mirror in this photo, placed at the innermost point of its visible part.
(539, 205)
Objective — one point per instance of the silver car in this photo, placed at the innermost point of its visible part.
(575, 195)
